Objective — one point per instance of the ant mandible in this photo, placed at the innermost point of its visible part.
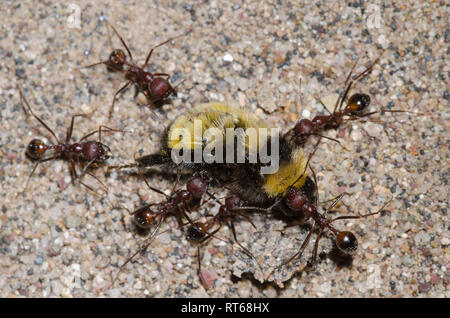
(92, 153)
(155, 86)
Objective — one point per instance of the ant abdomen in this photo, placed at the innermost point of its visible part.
(36, 149)
(357, 103)
(347, 242)
(144, 219)
(196, 233)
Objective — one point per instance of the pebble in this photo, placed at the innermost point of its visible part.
(72, 221)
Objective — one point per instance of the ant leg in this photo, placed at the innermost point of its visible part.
(115, 96)
(99, 131)
(121, 40)
(140, 250)
(76, 178)
(22, 96)
(34, 168)
(299, 253)
(335, 140)
(342, 97)
(312, 264)
(69, 131)
(323, 105)
(161, 44)
(162, 74)
(317, 188)
(199, 262)
(29, 177)
(97, 63)
(316, 146)
(346, 217)
(146, 182)
(246, 251)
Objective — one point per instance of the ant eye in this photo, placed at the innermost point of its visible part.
(358, 102)
(347, 242)
(36, 149)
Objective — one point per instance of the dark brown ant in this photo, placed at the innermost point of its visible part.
(91, 153)
(353, 110)
(155, 86)
(345, 241)
(151, 216)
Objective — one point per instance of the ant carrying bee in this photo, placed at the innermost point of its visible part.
(87, 152)
(179, 203)
(155, 86)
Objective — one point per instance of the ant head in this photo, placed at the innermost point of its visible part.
(36, 149)
(196, 233)
(160, 88)
(346, 242)
(303, 129)
(233, 202)
(295, 199)
(197, 186)
(144, 218)
(357, 103)
(116, 59)
(94, 150)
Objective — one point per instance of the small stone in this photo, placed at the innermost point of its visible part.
(425, 287)
(72, 221)
(38, 260)
(228, 58)
(445, 241)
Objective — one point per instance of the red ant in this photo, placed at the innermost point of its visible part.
(354, 109)
(296, 203)
(345, 241)
(155, 86)
(92, 153)
(178, 202)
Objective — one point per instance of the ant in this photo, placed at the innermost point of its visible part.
(92, 153)
(345, 241)
(296, 203)
(155, 86)
(177, 202)
(354, 109)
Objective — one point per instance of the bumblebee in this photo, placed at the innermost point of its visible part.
(208, 126)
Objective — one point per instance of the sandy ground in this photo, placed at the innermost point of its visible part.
(59, 239)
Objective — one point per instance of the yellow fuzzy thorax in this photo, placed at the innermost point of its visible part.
(210, 115)
(288, 172)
